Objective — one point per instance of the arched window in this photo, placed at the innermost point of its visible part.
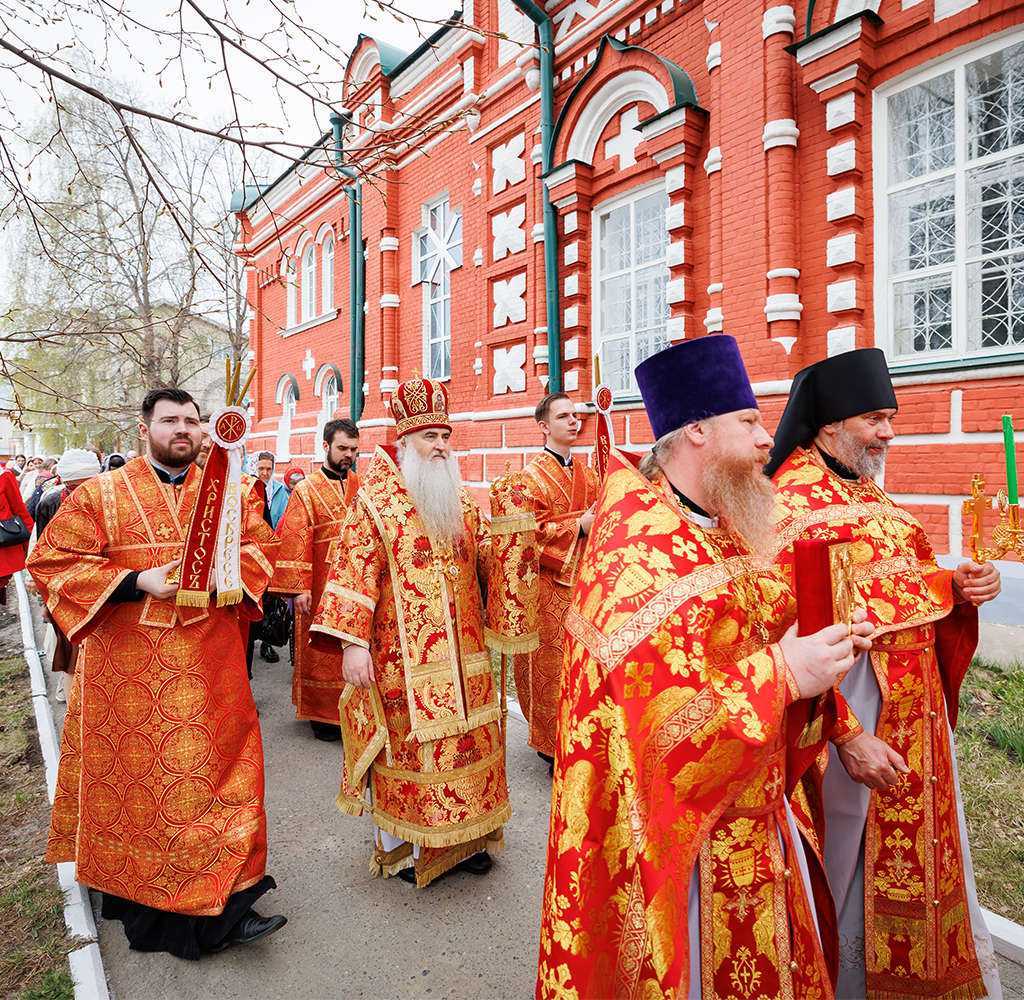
(438, 248)
(309, 283)
(630, 273)
(288, 273)
(284, 424)
(327, 264)
(330, 397)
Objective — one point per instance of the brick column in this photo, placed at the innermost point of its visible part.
(715, 318)
(673, 140)
(569, 187)
(782, 305)
(837, 65)
(389, 302)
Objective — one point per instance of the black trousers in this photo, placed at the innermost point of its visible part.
(148, 929)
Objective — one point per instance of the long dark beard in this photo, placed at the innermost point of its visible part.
(847, 450)
(744, 499)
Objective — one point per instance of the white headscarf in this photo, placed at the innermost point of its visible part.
(77, 464)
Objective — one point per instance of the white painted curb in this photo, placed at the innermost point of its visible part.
(86, 962)
(515, 711)
(1007, 937)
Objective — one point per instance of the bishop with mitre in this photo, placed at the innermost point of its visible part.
(423, 748)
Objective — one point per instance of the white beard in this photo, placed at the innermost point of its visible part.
(434, 487)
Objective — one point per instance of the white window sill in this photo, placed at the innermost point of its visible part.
(310, 323)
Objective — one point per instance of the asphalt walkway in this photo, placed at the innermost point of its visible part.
(349, 935)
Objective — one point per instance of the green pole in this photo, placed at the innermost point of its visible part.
(356, 274)
(547, 118)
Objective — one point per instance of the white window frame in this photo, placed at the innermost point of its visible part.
(425, 212)
(329, 396)
(328, 401)
(883, 289)
(307, 282)
(327, 277)
(289, 406)
(289, 269)
(633, 195)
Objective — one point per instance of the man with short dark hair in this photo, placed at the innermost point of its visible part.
(160, 789)
(562, 491)
(277, 492)
(311, 524)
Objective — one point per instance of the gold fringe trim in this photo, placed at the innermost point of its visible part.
(493, 843)
(456, 727)
(511, 645)
(349, 805)
(513, 523)
(229, 597)
(451, 837)
(384, 864)
(974, 990)
(193, 599)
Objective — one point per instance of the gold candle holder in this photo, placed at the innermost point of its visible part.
(1006, 535)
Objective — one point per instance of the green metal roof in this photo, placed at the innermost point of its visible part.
(242, 201)
(684, 94)
(425, 46)
(392, 61)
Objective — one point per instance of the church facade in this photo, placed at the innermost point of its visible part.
(808, 178)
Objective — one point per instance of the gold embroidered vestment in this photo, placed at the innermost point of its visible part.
(671, 755)
(425, 736)
(160, 786)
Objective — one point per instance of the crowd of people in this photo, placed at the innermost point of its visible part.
(754, 780)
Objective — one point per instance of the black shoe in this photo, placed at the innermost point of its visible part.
(251, 928)
(268, 654)
(550, 761)
(407, 875)
(476, 864)
(325, 731)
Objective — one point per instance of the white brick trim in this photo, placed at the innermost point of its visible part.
(841, 110)
(780, 132)
(842, 157)
(842, 295)
(779, 20)
(783, 306)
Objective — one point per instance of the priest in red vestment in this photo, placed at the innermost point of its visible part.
(309, 534)
(160, 787)
(675, 867)
(895, 842)
(562, 490)
(424, 751)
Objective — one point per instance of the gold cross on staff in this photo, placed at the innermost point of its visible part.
(976, 506)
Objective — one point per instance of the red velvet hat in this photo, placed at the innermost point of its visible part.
(419, 403)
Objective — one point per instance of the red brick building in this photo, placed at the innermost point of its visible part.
(808, 179)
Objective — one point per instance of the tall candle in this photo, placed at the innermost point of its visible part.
(1011, 458)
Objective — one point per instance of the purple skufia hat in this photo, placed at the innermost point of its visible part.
(694, 380)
